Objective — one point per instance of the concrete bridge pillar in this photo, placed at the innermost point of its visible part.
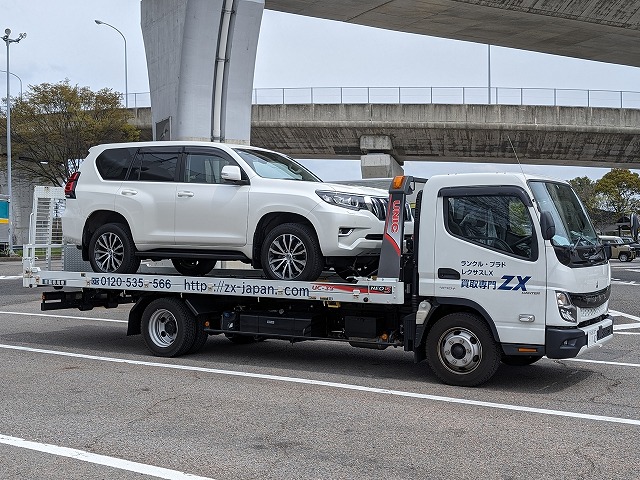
(201, 59)
(377, 160)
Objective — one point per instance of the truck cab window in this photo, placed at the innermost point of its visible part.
(498, 222)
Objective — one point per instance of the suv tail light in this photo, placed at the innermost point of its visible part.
(70, 187)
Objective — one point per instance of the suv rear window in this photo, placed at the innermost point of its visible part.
(154, 167)
(113, 164)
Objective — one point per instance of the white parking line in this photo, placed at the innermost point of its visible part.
(342, 386)
(62, 316)
(89, 457)
(10, 277)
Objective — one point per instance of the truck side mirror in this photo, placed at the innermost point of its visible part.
(547, 225)
(607, 251)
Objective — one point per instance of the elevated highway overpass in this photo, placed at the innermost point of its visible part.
(602, 30)
(547, 135)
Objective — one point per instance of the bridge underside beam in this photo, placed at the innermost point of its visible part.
(606, 31)
(468, 133)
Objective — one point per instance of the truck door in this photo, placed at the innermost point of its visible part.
(488, 255)
(210, 212)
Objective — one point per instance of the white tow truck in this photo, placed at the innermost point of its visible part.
(502, 267)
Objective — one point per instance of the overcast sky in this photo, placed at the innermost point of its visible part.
(64, 42)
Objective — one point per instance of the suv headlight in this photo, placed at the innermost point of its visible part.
(346, 200)
(568, 312)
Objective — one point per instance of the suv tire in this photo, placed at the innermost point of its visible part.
(111, 250)
(624, 257)
(191, 267)
(291, 252)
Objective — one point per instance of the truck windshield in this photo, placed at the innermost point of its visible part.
(575, 242)
(273, 165)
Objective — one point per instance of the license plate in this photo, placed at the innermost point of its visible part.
(601, 333)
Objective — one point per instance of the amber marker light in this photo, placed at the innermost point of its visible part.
(397, 182)
(528, 350)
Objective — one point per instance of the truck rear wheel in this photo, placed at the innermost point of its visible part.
(461, 350)
(168, 327)
(193, 267)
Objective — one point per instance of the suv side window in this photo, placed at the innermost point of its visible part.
(499, 222)
(154, 166)
(114, 163)
(203, 167)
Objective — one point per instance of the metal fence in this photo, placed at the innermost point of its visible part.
(569, 97)
(564, 97)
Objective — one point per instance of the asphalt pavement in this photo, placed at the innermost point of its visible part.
(82, 400)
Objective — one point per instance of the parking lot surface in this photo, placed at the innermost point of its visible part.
(80, 399)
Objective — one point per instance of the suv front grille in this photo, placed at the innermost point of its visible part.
(378, 207)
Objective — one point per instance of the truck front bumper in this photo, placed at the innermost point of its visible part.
(571, 342)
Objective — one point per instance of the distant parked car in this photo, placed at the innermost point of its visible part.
(619, 249)
(199, 202)
(633, 244)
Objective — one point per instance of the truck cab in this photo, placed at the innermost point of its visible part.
(519, 252)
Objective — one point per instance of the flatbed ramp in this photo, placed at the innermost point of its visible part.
(376, 291)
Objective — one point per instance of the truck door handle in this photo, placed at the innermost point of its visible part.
(185, 194)
(127, 191)
(448, 274)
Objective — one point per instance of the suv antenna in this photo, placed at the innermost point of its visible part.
(515, 153)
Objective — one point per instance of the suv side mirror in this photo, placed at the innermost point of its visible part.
(547, 225)
(231, 173)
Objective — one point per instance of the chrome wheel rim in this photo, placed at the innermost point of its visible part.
(287, 256)
(163, 328)
(109, 252)
(459, 350)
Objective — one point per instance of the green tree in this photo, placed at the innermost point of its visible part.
(619, 190)
(585, 188)
(54, 125)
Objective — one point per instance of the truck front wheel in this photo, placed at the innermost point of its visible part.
(461, 350)
(168, 327)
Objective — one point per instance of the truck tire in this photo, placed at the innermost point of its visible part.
(520, 360)
(461, 350)
(624, 257)
(168, 327)
(193, 267)
(111, 250)
(200, 340)
(291, 252)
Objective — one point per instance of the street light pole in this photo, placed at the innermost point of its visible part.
(9, 41)
(126, 86)
(19, 79)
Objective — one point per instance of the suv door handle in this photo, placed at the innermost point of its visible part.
(127, 191)
(185, 194)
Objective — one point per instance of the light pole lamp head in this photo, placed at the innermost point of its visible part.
(98, 22)
(7, 31)
(21, 36)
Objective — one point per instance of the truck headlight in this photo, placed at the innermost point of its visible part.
(568, 311)
(346, 200)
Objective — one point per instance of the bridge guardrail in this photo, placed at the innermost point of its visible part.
(569, 97)
(565, 97)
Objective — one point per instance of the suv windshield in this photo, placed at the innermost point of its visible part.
(272, 165)
(574, 231)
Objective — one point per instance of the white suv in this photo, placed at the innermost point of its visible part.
(199, 202)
